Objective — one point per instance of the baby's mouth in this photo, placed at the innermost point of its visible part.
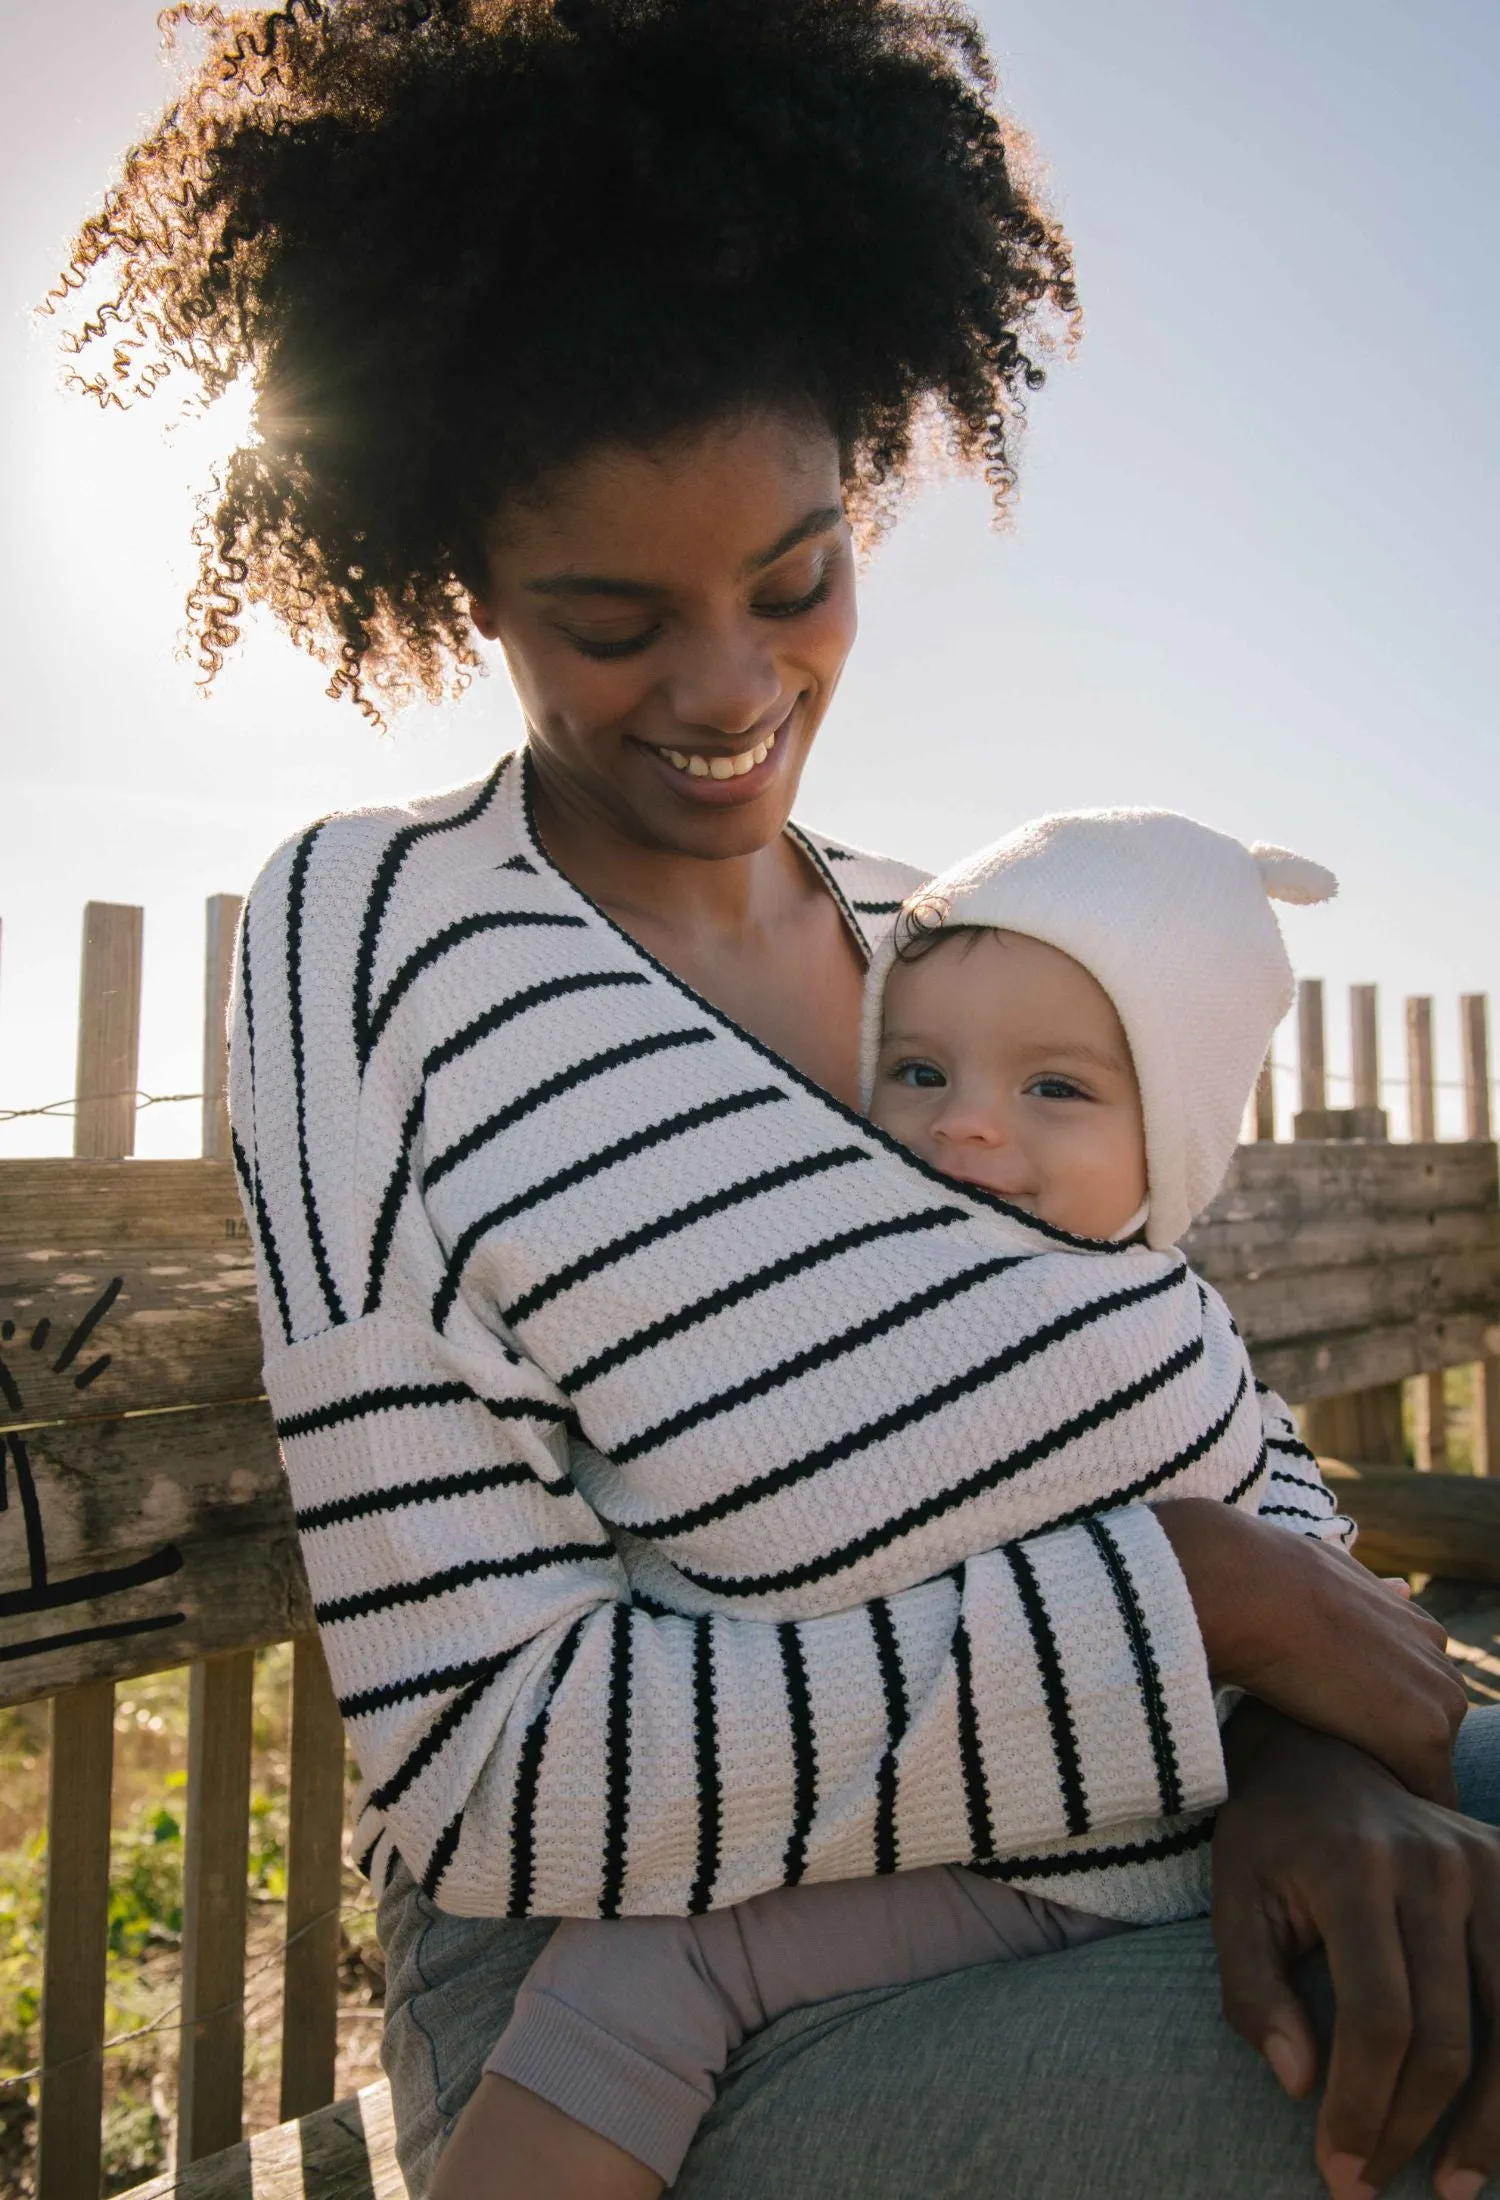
(720, 767)
(1026, 1201)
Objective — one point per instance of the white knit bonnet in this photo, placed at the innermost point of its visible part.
(1175, 922)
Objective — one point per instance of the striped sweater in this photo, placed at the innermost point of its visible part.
(698, 1493)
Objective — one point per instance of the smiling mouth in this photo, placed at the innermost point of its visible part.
(720, 767)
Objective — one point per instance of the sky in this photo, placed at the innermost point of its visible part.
(1252, 572)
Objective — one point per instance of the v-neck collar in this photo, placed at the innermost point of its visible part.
(521, 798)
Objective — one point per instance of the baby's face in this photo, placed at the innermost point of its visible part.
(1003, 1063)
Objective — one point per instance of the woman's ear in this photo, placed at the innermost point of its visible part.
(481, 612)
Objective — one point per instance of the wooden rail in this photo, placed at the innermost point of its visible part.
(146, 1522)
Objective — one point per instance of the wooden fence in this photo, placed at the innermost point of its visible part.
(145, 1523)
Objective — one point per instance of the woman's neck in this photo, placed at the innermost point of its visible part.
(659, 895)
(758, 935)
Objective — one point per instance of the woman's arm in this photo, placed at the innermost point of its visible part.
(533, 1742)
(1318, 1844)
(1306, 1629)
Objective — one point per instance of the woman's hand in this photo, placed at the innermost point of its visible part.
(1319, 1844)
(1302, 1626)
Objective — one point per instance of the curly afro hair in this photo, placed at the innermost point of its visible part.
(454, 243)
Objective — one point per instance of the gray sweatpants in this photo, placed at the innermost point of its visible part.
(627, 2024)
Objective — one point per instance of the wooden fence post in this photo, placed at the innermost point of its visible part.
(1430, 1416)
(1312, 1079)
(1364, 1045)
(1265, 1103)
(82, 1764)
(1363, 1425)
(210, 2083)
(223, 922)
(314, 1878)
(1474, 1018)
(210, 2090)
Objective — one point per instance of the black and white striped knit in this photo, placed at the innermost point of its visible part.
(698, 1493)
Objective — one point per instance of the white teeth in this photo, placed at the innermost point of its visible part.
(720, 767)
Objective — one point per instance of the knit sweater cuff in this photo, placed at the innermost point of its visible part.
(1177, 1695)
(1121, 1727)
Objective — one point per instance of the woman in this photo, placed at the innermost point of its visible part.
(594, 326)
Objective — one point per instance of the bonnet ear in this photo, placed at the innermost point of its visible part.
(1287, 877)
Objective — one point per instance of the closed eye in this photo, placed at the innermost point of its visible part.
(630, 646)
(817, 594)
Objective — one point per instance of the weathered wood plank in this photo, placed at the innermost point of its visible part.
(1429, 1415)
(123, 1286)
(1368, 1425)
(80, 1205)
(1334, 1205)
(1312, 1088)
(309, 2037)
(109, 1022)
(1474, 1020)
(1446, 1524)
(1378, 1294)
(75, 1930)
(1486, 1435)
(143, 1543)
(1430, 1424)
(210, 2076)
(1349, 1266)
(345, 2152)
(1474, 1026)
(1302, 1368)
(222, 918)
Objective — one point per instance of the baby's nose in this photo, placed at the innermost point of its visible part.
(966, 1122)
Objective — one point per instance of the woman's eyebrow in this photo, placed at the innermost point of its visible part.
(602, 584)
(812, 523)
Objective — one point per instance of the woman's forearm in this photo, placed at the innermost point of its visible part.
(1310, 1632)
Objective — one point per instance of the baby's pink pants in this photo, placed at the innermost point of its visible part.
(626, 2023)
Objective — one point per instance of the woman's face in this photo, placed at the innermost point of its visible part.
(675, 622)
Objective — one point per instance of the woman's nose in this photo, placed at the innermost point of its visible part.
(724, 683)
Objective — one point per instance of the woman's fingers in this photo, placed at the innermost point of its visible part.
(1255, 1953)
(1372, 2032)
(1434, 1922)
(1317, 1843)
(1472, 2152)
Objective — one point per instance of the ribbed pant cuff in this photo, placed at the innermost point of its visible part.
(599, 2081)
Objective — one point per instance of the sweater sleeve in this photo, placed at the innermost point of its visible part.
(1293, 1493)
(535, 1743)
(532, 1739)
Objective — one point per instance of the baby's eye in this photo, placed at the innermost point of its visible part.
(1053, 1087)
(923, 1076)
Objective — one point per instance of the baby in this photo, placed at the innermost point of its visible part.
(1072, 1020)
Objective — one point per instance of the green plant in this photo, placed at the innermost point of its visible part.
(145, 1892)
